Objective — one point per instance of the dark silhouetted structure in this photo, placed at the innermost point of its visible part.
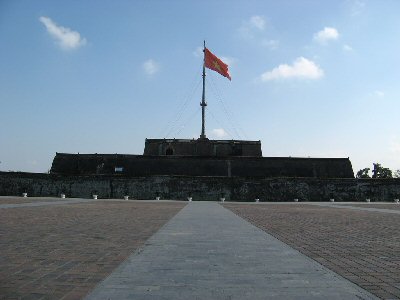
(201, 157)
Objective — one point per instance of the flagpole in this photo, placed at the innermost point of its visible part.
(203, 103)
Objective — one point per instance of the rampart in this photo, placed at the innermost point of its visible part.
(200, 188)
(148, 165)
(202, 147)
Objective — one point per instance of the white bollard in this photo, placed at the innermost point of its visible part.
(367, 200)
(396, 200)
(126, 197)
(296, 200)
(24, 195)
(332, 200)
(222, 199)
(62, 196)
(95, 197)
(257, 200)
(189, 199)
(157, 198)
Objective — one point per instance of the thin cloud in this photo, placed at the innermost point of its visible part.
(65, 37)
(257, 22)
(395, 145)
(198, 52)
(151, 67)
(379, 94)
(219, 133)
(250, 27)
(326, 35)
(357, 7)
(271, 44)
(347, 48)
(302, 68)
(33, 162)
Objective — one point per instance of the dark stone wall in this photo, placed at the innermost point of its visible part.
(200, 188)
(142, 165)
(202, 147)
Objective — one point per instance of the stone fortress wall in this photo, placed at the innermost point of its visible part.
(200, 188)
(202, 169)
(231, 166)
(202, 147)
(200, 157)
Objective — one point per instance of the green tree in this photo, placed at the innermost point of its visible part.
(363, 173)
(381, 172)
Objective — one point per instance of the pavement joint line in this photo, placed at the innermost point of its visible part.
(46, 203)
(208, 252)
(371, 209)
(66, 201)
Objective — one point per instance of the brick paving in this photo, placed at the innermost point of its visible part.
(362, 246)
(62, 252)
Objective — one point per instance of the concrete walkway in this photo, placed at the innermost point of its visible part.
(207, 252)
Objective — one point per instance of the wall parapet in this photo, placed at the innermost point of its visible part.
(242, 166)
(200, 187)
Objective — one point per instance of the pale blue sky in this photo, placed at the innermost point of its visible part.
(309, 78)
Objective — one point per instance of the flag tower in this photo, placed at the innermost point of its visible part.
(213, 63)
(203, 103)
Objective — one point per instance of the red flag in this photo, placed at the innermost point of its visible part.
(214, 63)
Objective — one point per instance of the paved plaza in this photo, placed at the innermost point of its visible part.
(113, 249)
(361, 243)
(62, 251)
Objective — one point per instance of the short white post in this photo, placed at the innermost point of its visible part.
(95, 197)
(396, 201)
(367, 200)
(222, 199)
(24, 195)
(257, 200)
(332, 200)
(296, 200)
(62, 196)
(126, 197)
(157, 198)
(189, 199)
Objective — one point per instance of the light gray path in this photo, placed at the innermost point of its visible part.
(207, 252)
(45, 203)
(374, 209)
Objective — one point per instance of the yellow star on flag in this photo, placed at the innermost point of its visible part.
(217, 66)
(214, 63)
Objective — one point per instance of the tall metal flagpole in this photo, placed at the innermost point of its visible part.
(203, 103)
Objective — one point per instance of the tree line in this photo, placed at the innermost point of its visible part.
(378, 171)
